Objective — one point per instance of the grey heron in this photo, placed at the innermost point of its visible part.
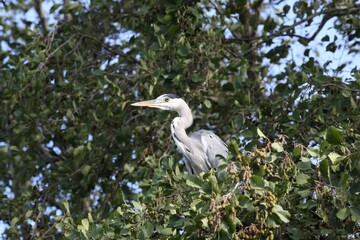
(202, 149)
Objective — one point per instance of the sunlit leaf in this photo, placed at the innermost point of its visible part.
(85, 223)
(313, 151)
(342, 214)
(281, 213)
(137, 205)
(302, 179)
(277, 146)
(207, 103)
(66, 205)
(335, 158)
(260, 133)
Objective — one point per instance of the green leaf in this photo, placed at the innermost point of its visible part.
(305, 164)
(165, 231)
(119, 210)
(28, 213)
(244, 201)
(235, 26)
(297, 151)
(214, 184)
(166, 19)
(325, 169)
(355, 188)
(66, 205)
(281, 213)
(85, 223)
(59, 226)
(79, 151)
(85, 170)
(353, 103)
(234, 147)
(205, 222)
(137, 205)
(82, 229)
(342, 214)
(177, 171)
(207, 103)
(335, 158)
(346, 93)
(229, 222)
(260, 133)
(302, 179)
(90, 217)
(355, 214)
(277, 146)
(314, 152)
(154, 46)
(333, 136)
(14, 221)
(326, 38)
(156, 28)
(193, 181)
(194, 12)
(257, 182)
(247, 133)
(286, 9)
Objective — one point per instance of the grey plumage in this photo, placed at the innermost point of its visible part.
(202, 149)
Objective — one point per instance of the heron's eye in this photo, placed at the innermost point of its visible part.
(167, 99)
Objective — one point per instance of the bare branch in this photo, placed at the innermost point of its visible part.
(41, 14)
(43, 64)
(107, 48)
(328, 14)
(3, 2)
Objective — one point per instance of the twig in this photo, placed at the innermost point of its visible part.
(43, 64)
(107, 48)
(341, 87)
(3, 2)
(232, 191)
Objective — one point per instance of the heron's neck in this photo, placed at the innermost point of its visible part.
(186, 116)
(179, 126)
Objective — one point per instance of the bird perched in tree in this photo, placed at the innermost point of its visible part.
(202, 149)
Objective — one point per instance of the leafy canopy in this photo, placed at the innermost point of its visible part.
(77, 162)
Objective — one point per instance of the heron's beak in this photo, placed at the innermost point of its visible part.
(149, 103)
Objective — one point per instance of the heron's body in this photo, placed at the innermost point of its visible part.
(202, 149)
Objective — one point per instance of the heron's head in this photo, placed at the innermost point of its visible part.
(165, 102)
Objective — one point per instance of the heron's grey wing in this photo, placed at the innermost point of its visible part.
(196, 159)
(213, 146)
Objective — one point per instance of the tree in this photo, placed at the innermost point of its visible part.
(76, 161)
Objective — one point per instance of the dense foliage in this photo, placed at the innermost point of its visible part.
(78, 162)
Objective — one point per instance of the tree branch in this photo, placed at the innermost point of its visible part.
(3, 2)
(43, 64)
(107, 48)
(221, 13)
(328, 14)
(41, 14)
